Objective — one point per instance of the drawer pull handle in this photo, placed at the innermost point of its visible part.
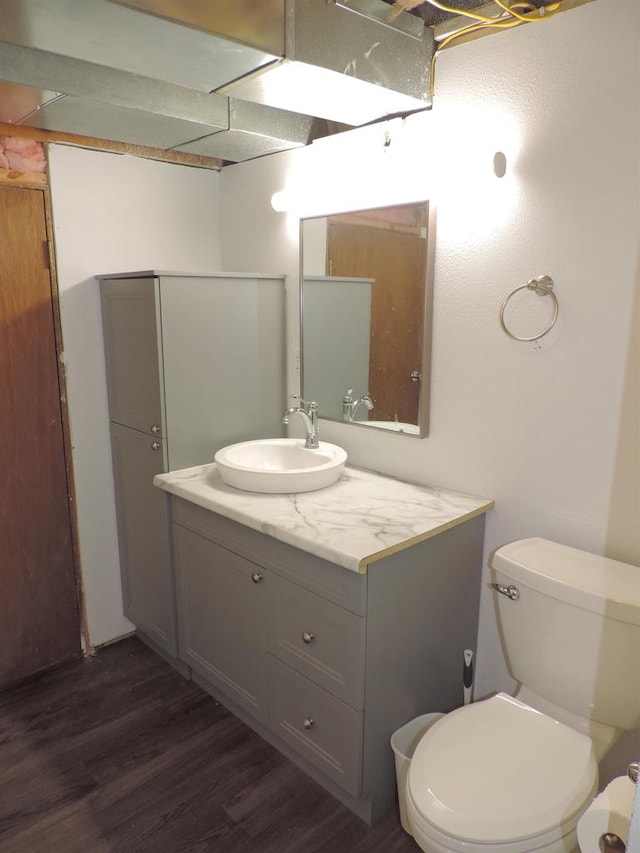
(155, 429)
(155, 445)
(308, 723)
(256, 577)
(307, 637)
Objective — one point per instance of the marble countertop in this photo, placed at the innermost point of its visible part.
(364, 517)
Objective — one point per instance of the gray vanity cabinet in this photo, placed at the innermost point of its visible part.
(193, 362)
(322, 661)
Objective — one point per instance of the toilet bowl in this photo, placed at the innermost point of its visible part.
(499, 777)
(514, 775)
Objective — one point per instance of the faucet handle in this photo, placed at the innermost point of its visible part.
(310, 404)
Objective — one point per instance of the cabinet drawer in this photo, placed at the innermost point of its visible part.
(322, 641)
(322, 730)
(342, 586)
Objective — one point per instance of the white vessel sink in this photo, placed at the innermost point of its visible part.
(280, 465)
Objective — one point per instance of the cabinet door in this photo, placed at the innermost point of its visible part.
(224, 363)
(130, 318)
(222, 619)
(143, 533)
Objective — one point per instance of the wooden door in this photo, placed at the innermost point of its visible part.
(396, 261)
(39, 617)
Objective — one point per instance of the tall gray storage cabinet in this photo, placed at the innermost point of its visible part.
(194, 362)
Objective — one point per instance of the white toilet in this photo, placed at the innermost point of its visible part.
(513, 775)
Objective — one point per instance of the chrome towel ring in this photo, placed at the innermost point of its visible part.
(543, 286)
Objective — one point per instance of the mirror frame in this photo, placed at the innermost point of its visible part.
(427, 315)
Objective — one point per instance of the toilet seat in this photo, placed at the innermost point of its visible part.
(498, 772)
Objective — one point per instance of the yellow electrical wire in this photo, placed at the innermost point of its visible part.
(519, 12)
(473, 28)
(534, 13)
(466, 12)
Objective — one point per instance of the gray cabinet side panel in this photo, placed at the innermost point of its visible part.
(224, 363)
(143, 535)
(132, 344)
(422, 614)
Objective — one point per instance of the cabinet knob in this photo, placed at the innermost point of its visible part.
(155, 429)
(256, 577)
(155, 445)
(307, 637)
(308, 723)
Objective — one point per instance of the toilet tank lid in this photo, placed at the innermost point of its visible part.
(577, 577)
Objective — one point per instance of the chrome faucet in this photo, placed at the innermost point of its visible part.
(351, 406)
(309, 414)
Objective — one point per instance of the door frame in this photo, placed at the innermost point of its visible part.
(40, 182)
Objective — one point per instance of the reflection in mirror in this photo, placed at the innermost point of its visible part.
(366, 285)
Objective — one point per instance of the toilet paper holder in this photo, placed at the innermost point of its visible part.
(609, 842)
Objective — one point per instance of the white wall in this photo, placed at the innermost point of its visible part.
(534, 427)
(114, 213)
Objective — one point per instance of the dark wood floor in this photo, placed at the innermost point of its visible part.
(119, 753)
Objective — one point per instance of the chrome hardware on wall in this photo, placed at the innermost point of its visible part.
(415, 376)
(510, 591)
(308, 723)
(542, 286)
(307, 638)
(155, 429)
(256, 577)
(611, 843)
(155, 445)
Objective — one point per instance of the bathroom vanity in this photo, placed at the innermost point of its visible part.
(326, 620)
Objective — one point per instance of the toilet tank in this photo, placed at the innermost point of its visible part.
(573, 634)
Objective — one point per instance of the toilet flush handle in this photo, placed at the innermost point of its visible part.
(510, 591)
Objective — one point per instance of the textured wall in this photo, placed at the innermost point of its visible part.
(537, 427)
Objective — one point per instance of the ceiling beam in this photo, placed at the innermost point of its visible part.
(180, 158)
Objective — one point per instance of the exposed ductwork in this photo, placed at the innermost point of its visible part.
(343, 60)
(227, 80)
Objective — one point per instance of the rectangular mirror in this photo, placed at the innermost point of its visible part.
(366, 305)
